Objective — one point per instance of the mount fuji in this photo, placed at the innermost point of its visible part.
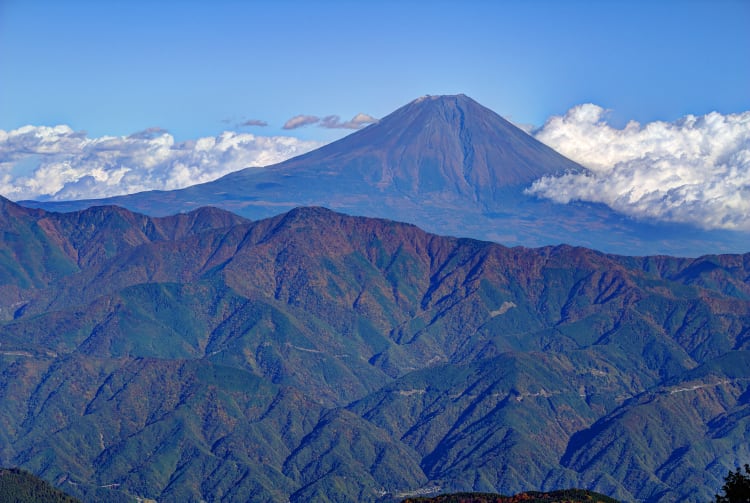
(444, 163)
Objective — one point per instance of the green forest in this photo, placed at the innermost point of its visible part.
(20, 486)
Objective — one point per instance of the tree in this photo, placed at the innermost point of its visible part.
(736, 487)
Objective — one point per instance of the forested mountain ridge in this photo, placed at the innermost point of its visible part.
(317, 356)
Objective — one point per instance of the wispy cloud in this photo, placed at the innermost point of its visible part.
(330, 121)
(39, 162)
(299, 121)
(254, 122)
(358, 121)
(694, 170)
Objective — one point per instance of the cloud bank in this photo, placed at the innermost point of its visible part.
(57, 163)
(695, 170)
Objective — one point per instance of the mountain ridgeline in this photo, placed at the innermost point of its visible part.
(314, 356)
(444, 163)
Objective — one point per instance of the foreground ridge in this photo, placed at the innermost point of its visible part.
(562, 496)
(313, 354)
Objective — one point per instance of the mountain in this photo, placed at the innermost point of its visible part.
(39, 248)
(445, 163)
(315, 356)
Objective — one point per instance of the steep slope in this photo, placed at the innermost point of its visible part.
(684, 433)
(20, 486)
(436, 149)
(92, 235)
(38, 249)
(440, 150)
(319, 356)
(29, 257)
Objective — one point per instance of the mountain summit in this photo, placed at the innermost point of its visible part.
(448, 145)
(444, 163)
(435, 154)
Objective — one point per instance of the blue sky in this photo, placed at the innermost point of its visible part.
(196, 68)
(99, 98)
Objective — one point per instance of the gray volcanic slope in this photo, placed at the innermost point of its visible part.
(445, 163)
(436, 145)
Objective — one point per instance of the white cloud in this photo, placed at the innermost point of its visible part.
(694, 170)
(40, 162)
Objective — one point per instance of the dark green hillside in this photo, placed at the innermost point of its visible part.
(20, 486)
(95, 234)
(657, 442)
(37, 248)
(29, 256)
(517, 409)
(564, 496)
(319, 357)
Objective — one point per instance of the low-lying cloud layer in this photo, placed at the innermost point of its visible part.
(57, 163)
(695, 170)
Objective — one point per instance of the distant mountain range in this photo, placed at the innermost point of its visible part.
(445, 163)
(315, 356)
